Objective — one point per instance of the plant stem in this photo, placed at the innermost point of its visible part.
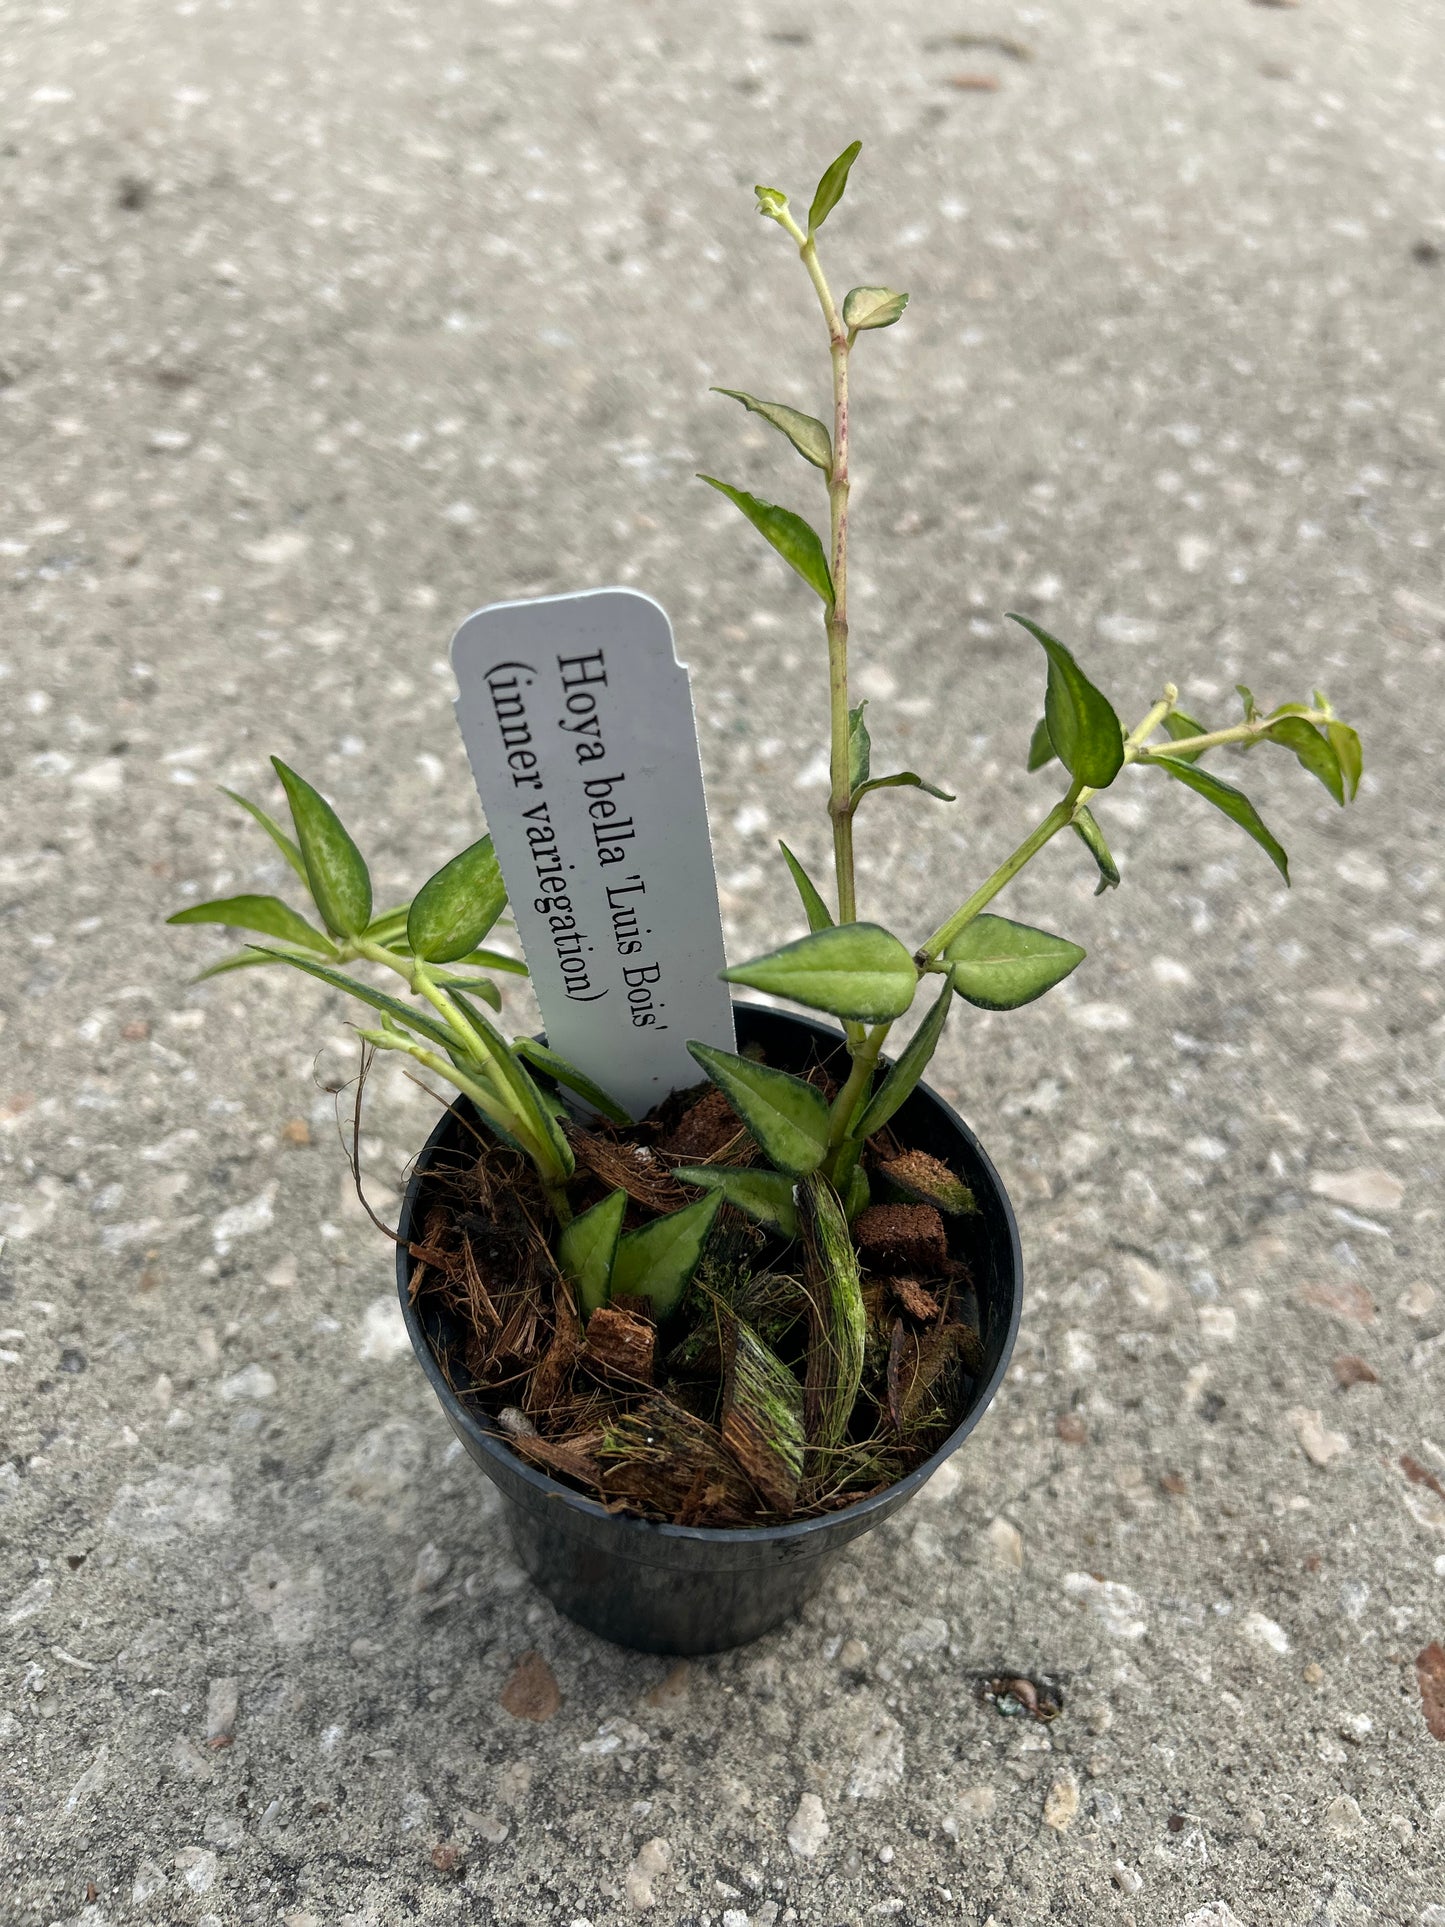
(1248, 732)
(1064, 812)
(840, 797)
(865, 1062)
(492, 1107)
(1058, 818)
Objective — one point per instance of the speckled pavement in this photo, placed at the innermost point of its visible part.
(324, 323)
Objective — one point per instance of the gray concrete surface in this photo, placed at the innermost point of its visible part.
(325, 323)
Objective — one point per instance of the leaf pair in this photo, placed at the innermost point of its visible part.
(656, 1261)
(322, 855)
(445, 923)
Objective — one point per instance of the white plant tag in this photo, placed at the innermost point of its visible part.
(578, 724)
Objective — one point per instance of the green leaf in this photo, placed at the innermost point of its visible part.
(479, 987)
(786, 1116)
(1088, 828)
(587, 1248)
(1179, 727)
(873, 307)
(494, 960)
(1234, 803)
(1315, 751)
(269, 915)
(1001, 965)
(904, 780)
(771, 201)
(1041, 748)
(764, 1195)
(414, 1020)
(1350, 754)
(274, 830)
(808, 436)
(533, 1111)
(795, 540)
(860, 748)
(390, 927)
(658, 1261)
(819, 916)
(339, 880)
(247, 960)
(854, 970)
(548, 1061)
(830, 188)
(454, 910)
(1246, 696)
(1083, 728)
(903, 1076)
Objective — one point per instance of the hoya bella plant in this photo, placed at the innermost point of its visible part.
(744, 1307)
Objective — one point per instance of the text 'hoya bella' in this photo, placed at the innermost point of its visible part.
(601, 803)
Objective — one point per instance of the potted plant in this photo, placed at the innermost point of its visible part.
(702, 1350)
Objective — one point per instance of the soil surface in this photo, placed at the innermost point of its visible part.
(324, 325)
(716, 1413)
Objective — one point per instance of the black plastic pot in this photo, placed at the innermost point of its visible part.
(688, 1589)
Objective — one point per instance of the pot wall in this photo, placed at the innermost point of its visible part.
(679, 1589)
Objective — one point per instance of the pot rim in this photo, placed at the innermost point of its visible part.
(493, 1441)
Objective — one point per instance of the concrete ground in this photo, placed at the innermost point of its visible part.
(324, 323)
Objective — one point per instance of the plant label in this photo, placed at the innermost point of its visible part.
(578, 724)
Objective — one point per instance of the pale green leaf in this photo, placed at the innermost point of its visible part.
(335, 870)
(808, 436)
(852, 970)
(819, 916)
(268, 915)
(873, 307)
(587, 1248)
(658, 1260)
(1000, 965)
(461, 989)
(494, 960)
(860, 749)
(830, 188)
(764, 1195)
(541, 1058)
(1314, 750)
(1351, 756)
(787, 1117)
(390, 927)
(904, 1074)
(454, 910)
